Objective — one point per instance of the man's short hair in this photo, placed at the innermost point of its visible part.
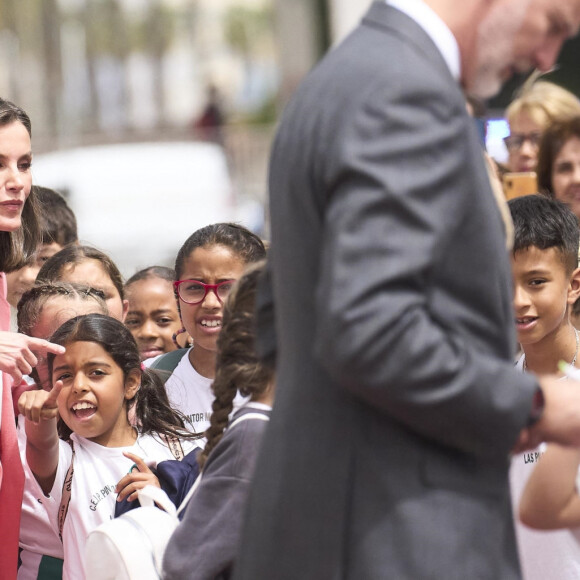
(545, 223)
(57, 220)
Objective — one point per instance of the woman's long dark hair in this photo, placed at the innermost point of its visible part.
(238, 367)
(154, 414)
(18, 247)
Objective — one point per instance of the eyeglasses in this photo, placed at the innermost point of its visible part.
(516, 141)
(194, 291)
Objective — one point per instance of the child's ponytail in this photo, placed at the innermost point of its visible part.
(238, 367)
(153, 411)
(225, 392)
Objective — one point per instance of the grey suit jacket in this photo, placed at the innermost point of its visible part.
(397, 403)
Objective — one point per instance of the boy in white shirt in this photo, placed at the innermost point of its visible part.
(546, 285)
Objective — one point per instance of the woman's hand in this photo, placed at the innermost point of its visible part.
(40, 404)
(139, 476)
(17, 353)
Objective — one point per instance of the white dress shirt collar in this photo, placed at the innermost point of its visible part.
(435, 28)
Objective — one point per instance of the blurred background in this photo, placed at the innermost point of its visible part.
(155, 117)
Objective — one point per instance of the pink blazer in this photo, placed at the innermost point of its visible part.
(11, 472)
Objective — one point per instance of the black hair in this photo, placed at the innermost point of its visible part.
(152, 272)
(53, 268)
(241, 241)
(238, 366)
(154, 414)
(17, 248)
(32, 302)
(58, 222)
(11, 113)
(544, 223)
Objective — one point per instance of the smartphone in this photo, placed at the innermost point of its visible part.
(518, 184)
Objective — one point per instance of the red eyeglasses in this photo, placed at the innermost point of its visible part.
(194, 291)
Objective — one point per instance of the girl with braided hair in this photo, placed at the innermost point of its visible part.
(203, 545)
(45, 306)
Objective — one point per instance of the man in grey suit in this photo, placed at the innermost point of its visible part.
(397, 403)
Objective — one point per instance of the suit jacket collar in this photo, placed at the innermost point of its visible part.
(436, 28)
(383, 16)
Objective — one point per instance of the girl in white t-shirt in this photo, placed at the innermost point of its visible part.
(207, 265)
(103, 458)
(42, 309)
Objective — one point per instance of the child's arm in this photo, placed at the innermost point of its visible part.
(42, 443)
(550, 499)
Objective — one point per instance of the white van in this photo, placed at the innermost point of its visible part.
(140, 202)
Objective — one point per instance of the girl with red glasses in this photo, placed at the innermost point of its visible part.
(207, 266)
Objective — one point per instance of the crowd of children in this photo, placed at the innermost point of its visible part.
(98, 420)
(164, 366)
(94, 422)
(111, 382)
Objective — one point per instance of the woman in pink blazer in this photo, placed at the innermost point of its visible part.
(19, 235)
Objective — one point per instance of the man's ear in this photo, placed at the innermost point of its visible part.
(132, 383)
(574, 286)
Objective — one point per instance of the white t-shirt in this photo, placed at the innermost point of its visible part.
(97, 470)
(37, 535)
(544, 555)
(191, 393)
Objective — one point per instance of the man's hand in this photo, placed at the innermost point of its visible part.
(560, 421)
(17, 353)
(527, 440)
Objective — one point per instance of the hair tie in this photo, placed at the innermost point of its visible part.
(175, 335)
(143, 367)
(189, 341)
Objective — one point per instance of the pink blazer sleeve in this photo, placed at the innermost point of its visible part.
(11, 472)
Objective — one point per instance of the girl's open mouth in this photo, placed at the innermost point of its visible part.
(83, 410)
